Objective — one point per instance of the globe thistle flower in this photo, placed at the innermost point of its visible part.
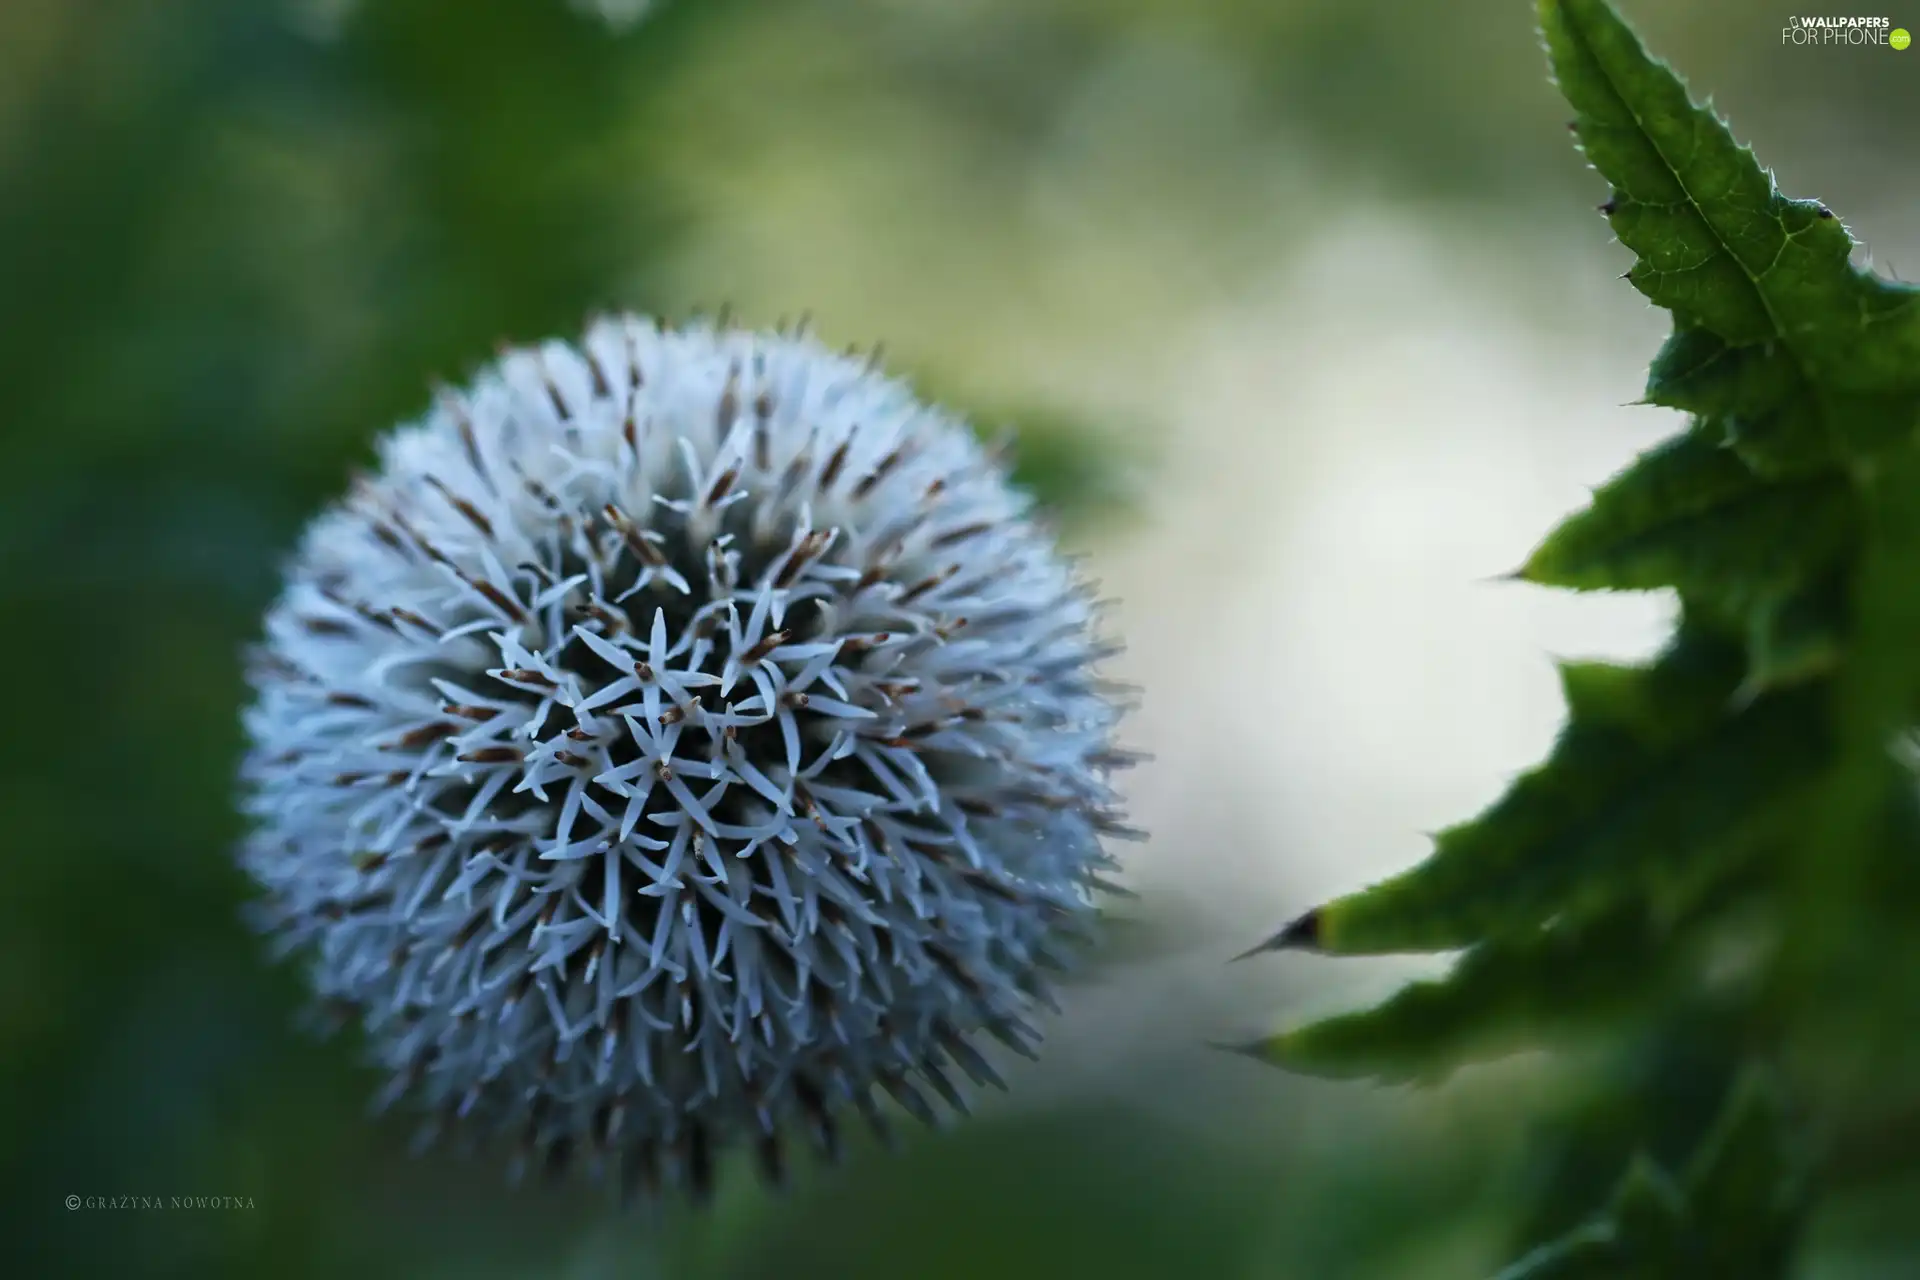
(679, 737)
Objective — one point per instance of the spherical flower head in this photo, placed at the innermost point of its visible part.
(677, 738)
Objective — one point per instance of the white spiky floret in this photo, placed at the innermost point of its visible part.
(676, 737)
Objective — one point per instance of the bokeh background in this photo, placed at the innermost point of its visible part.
(1310, 332)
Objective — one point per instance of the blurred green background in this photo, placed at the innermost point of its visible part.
(1308, 326)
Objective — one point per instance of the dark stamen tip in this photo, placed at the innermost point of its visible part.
(1254, 1049)
(1304, 933)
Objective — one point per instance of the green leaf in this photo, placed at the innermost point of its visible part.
(1649, 1210)
(1760, 401)
(1797, 636)
(1624, 804)
(1689, 514)
(1746, 1186)
(1503, 996)
(1739, 799)
(1653, 1090)
(1754, 398)
(1591, 1253)
(1717, 243)
(1863, 818)
(1576, 975)
(1736, 1212)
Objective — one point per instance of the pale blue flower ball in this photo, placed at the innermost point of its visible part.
(679, 736)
